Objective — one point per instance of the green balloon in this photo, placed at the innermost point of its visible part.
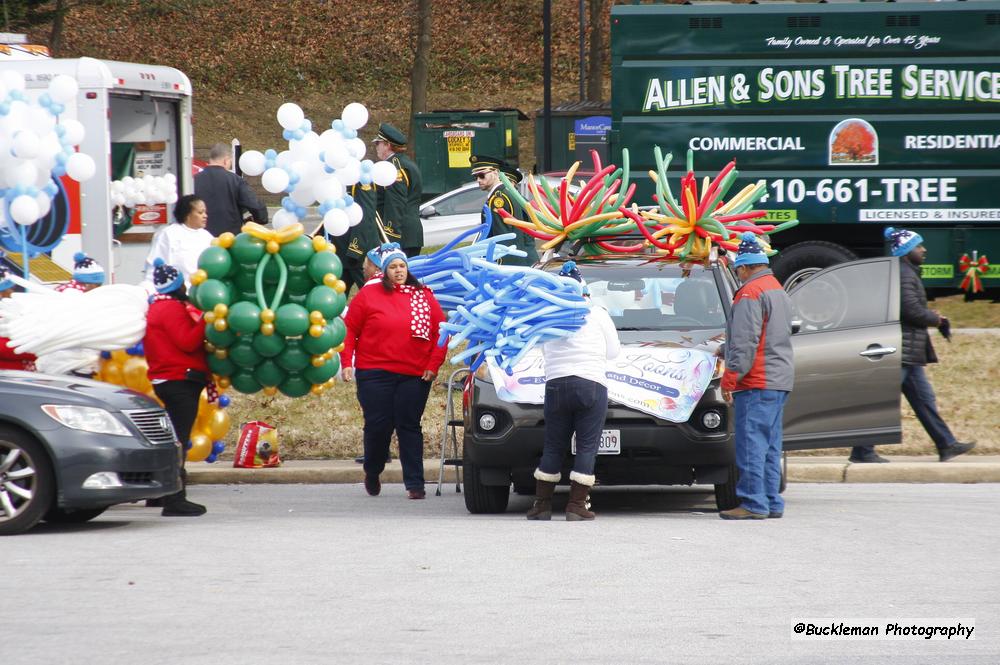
(326, 301)
(193, 296)
(247, 249)
(321, 344)
(243, 279)
(295, 385)
(324, 372)
(296, 298)
(322, 263)
(299, 282)
(268, 345)
(297, 252)
(213, 292)
(269, 374)
(249, 296)
(294, 358)
(220, 340)
(272, 273)
(221, 366)
(243, 354)
(291, 320)
(243, 380)
(216, 262)
(244, 317)
(339, 331)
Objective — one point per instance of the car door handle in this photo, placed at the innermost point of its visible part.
(877, 351)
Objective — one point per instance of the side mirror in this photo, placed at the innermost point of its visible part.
(428, 211)
(796, 326)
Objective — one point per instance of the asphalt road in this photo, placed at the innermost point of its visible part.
(324, 574)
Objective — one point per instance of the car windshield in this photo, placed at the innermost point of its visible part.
(656, 296)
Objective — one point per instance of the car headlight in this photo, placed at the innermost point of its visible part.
(487, 422)
(86, 418)
(711, 419)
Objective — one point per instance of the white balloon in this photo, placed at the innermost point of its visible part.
(350, 173)
(337, 156)
(63, 89)
(274, 180)
(290, 116)
(129, 182)
(12, 80)
(80, 167)
(328, 189)
(329, 139)
(303, 196)
(118, 198)
(44, 204)
(357, 148)
(355, 115)
(41, 124)
(355, 214)
(283, 218)
(24, 210)
(23, 173)
(335, 222)
(170, 178)
(172, 198)
(25, 144)
(384, 173)
(283, 159)
(252, 162)
(73, 130)
(117, 187)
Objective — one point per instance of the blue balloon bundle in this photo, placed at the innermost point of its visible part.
(501, 311)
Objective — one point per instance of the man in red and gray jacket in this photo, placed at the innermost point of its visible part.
(760, 371)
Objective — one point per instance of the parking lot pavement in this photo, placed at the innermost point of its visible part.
(323, 573)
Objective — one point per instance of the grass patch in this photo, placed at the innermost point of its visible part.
(979, 313)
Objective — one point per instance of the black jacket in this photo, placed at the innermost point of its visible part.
(226, 196)
(915, 317)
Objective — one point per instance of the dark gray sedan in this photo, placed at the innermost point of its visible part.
(70, 448)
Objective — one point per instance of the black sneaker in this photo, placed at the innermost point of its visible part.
(873, 458)
(955, 449)
(183, 508)
(372, 485)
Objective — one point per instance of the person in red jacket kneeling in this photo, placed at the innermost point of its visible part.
(391, 348)
(178, 370)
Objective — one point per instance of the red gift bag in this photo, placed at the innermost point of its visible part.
(257, 447)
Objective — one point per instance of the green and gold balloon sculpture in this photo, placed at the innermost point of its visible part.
(272, 299)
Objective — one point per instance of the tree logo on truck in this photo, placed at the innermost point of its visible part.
(853, 141)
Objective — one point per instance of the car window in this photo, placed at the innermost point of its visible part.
(674, 299)
(462, 202)
(845, 296)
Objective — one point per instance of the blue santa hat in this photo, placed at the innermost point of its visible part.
(86, 270)
(166, 278)
(750, 252)
(901, 241)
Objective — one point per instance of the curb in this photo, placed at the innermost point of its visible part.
(926, 469)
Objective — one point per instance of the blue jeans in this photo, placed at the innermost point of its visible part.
(919, 393)
(573, 404)
(391, 401)
(758, 449)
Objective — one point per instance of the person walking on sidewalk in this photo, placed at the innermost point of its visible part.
(918, 351)
(576, 401)
(391, 348)
(760, 372)
(178, 369)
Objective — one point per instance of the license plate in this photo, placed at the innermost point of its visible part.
(611, 443)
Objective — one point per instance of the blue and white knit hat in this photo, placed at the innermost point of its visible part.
(382, 255)
(750, 252)
(570, 270)
(901, 241)
(166, 278)
(86, 270)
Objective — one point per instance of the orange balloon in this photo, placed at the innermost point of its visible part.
(201, 447)
(119, 356)
(112, 373)
(134, 372)
(218, 426)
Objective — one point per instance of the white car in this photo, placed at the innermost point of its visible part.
(447, 215)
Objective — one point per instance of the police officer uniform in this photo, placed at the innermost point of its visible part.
(398, 204)
(353, 245)
(498, 200)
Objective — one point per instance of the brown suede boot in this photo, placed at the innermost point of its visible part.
(542, 508)
(577, 508)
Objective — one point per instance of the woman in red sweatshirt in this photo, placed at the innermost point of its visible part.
(391, 348)
(10, 359)
(178, 370)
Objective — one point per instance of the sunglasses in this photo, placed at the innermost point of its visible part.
(480, 175)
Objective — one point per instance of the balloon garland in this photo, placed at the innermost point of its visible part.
(272, 299)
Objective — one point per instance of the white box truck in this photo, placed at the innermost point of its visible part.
(138, 122)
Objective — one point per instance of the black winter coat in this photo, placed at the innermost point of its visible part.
(226, 197)
(915, 317)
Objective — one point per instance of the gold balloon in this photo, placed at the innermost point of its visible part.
(315, 330)
(119, 356)
(317, 389)
(201, 447)
(223, 382)
(226, 240)
(267, 329)
(340, 286)
(134, 372)
(209, 317)
(220, 325)
(329, 279)
(270, 391)
(316, 316)
(319, 243)
(220, 310)
(218, 426)
(222, 354)
(339, 348)
(267, 315)
(318, 361)
(112, 373)
(272, 247)
(198, 276)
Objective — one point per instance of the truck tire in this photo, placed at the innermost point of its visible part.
(482, 499)
(27, 484)
(809, 254)
(725, 493)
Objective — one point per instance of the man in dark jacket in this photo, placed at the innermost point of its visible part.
(914, 316)
(363, 236)
(399, 203)
(486, 170)
(760, 372)
(226, 195)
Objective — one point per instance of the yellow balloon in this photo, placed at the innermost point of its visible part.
(272, 247)
(267, 315)
(226, 240)
(119, 356)
(270, 391)
(218, 426)
(329, 279)
(112, 373)
(223, 382)
(267, 329)
(221, 310)
(315, 330)
(134, 373)
(319, 243)
(209, 317)
(220, 325)
(201, 447)
(198, 276)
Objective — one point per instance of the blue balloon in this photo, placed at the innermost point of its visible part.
(224, 401)
(365, 179)
(337, 125)
(55, 108)
(106, 355)
(366, 165)
(298, 134)
(211, 458)
(348, 200)
(51, 188)
(300, 211)
(288, 135)
(270, 153)
(288, 204)
(4, 108)
(188, 445)
(307, 125)
(350, 133)
(218, 447)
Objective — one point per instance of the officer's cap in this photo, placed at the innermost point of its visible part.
(390, 134)
(481, 163)
(512, 172)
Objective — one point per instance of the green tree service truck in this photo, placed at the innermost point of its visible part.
(858, 115)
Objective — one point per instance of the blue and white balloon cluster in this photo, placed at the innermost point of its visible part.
(35, 146)
(501, 311)
(318, 168)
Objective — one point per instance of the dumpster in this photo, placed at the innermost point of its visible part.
(577, 127)
(443, 141)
